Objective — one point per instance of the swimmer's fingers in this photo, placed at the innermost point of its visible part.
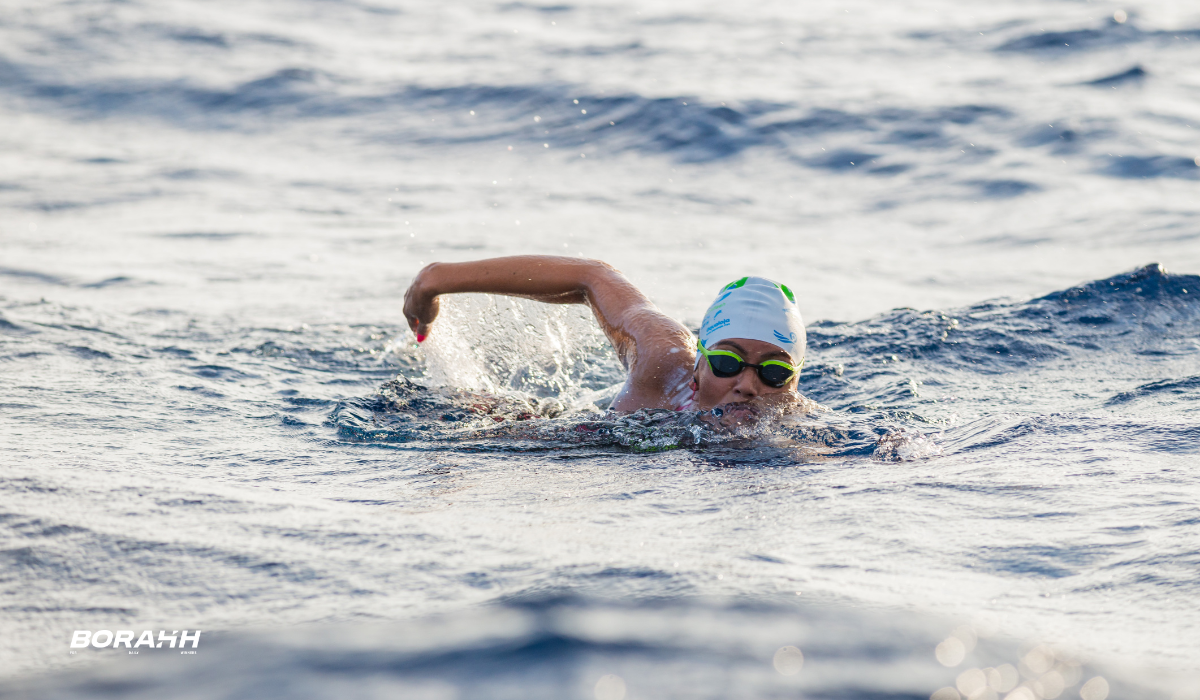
(426, 319)
(421, 317)
(420, 309)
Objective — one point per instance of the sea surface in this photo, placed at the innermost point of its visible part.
(212, 416)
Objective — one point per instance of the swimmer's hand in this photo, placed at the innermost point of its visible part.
(420, 305)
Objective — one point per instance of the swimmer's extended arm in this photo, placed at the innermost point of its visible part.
(651, 345)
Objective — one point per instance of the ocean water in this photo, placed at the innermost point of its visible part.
(213, 417)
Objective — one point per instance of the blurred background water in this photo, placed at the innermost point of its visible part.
(210, 212)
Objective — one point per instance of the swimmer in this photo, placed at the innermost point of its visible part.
(750, 349)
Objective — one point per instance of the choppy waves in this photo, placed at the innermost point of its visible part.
(889, 380)
(881, 142)
(1057, 384)
(178, 454)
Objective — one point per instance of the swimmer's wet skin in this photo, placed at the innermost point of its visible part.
(752, 325)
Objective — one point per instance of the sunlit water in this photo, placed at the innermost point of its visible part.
(212, 416)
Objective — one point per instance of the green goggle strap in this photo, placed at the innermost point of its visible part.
(706, 352)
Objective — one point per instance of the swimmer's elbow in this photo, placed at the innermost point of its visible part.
(593, 262)
(598, 275)
(597, 268)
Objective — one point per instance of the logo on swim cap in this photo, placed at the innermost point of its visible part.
(785, 339)
(718, 325)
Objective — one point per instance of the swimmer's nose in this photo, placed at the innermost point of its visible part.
(747, 384)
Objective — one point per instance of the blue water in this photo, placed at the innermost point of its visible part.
(212, 416)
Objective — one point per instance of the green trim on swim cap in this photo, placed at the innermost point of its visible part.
(755, 308)
(734, 285)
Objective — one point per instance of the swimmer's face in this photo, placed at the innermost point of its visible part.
(745, 385)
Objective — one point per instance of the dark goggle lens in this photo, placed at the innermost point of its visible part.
(724, 366)
(774, 376)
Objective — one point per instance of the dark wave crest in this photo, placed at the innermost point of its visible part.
(880, 142)
(1109, 34)
(1144, 312)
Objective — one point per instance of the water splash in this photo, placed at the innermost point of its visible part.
(502, 345)
(407, 412)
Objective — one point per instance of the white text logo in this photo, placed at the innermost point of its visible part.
(104, 638)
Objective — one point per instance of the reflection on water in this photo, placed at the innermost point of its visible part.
(572, 647)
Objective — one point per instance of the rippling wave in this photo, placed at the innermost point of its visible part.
(882, 142)
(575, 647)
(213, 417)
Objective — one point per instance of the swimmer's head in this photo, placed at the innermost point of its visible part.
(755, 308)
(757, 320)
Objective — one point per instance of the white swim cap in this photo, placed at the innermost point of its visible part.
(755, 308)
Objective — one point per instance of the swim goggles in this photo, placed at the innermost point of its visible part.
(725, 364)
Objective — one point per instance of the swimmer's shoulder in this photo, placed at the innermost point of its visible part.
(660, 369)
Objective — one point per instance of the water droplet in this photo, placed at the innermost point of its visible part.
(1095, 689)
(1039, 660)
(610, 687)
(788, 660)
(971, 681)
(1052, 685)
(964, 633)
(950, 652)
(1005, 678)
(1022, 693)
